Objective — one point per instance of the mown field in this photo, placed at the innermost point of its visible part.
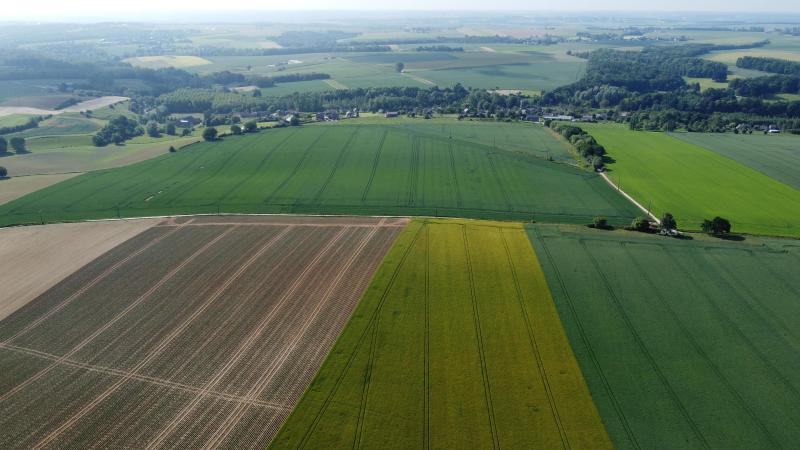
(456, 344)
(199, 333)
(339, 169)
(694, 184)
(684, 344)
(775, 156)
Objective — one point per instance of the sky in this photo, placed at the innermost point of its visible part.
(118, 9)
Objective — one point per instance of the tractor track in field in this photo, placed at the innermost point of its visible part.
(329, 399)
(374, 169)
(643, 347)
(499, 181)
(297, 166)
(587, 345)
(413, 171)
(699, 350)
(246, 344)
(455, 174)
(257, 389)
(267, 155)
(178, 193)
(49, 313)
(115, 319)
(426, 435)
(749, 343)
(535, 346)
(154, 353)
(759, 311)
(487, 387)
(336, 164)
(155, 381)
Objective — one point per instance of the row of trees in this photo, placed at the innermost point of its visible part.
(118, 130)
(451, 100)
(585, 144)
(32, 122)
(771, 65)
(16, 143)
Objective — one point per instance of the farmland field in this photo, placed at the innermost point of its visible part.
(684, 344)
(161, 62)
(30, 263)
(695, 184)
(775, 156)
(456, 344)
(343, 169)
(202, 331)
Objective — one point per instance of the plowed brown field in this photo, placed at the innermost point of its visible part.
(199, 332)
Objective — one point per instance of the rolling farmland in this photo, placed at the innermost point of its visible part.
(456, 344)
(198, 332)
(341, 169)
(684, 344)
(774, 156)
(695, 184)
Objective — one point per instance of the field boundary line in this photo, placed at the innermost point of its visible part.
(587, 344)
(155, 381)
(642, 346)
(631, 199)
(62, 304)
(116, 318)
(531, 331)
(697, 348)
(487, 387)
(156, 351)
(375, 162)
(413, 177)
(247, 343)
(336, 164)
(275, 365)
(329, 399)
(296, 168)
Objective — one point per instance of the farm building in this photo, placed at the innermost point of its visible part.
(391, 114)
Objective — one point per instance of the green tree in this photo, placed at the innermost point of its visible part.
(18, 144)
(172, 149)
(600, 222)
(186, 132)
(295, 121)
(210, 134)
(257, 93)
(171, 129)
(717, 226)
(236, 129)
(398, 67)
(640, 224)
(250, 126)
(3, 145)
(152, 130)
(668, 222)
(3, 172)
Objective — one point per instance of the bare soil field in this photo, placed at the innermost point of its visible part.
(95, 103)
(198, 332)
(16, 187)
(33, 259)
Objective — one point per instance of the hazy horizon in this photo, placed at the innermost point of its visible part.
(91, 10)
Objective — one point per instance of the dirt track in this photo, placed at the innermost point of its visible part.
(33, 259)
(213, 326)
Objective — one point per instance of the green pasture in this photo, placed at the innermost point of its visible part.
(693, 183)
(342, 169)
(14, 120)
(455, 344)
(777, 156)
(61, 126)
(684, 344)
